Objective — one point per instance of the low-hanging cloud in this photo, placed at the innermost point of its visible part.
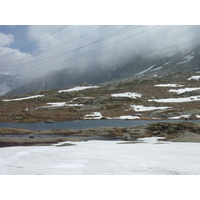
(83, 47)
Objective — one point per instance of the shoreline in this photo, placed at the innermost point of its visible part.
(170, 131)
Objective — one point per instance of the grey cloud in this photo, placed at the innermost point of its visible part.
(141, 40)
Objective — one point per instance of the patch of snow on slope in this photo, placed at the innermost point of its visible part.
(149, 157)
(179, 117)
(156, 69)
(24, 98)
(78, 88)
(189, 58)
(179, 91)
(94, 115)
(127, 94)
(146, 70)
(127, 117)
(168, 85)
(177, 100)
(194, 77)
(140, 108)
(57, 104)
(60, 104)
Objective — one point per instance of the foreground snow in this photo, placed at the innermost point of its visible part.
(24, 98)
(78, 88)
(103, 157)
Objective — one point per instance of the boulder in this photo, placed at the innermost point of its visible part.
(127, 137)
(49, 121)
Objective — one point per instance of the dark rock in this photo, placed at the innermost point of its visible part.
(49, 121)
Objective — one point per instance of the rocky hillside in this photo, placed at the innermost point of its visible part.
(141, 66)
(174, 96)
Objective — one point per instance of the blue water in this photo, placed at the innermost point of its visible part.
(78, 125)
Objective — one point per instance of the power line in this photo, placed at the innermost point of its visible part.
(126, 59)
(118, 64)
(64, 33)
(19, 33)
(59, 45)
(35, 42)
(98, 49)
(64, 53)
(67, 52)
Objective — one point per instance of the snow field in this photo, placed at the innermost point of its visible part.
(140, 108)
(127, 94)
(146, 70)
(103, 158)
(177, 100)
(60, 104)
(179, 91)
(168, 85)
(24, 98)
(179, 117)
(127, 117)
(189, 58)
(98, 115)
(194, 77)
(94, 115)
(78, 88)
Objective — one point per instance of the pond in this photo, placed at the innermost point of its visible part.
(78, 125)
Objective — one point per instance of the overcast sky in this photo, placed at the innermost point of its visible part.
(34, 50)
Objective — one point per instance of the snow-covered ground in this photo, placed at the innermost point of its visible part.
(179, 117)
(194, 77)
(56, 104)
(168, 85)
(127, 94)
(157, 68)
(78, 88)
(60, 104)
(179, 91)
(177, 100)
(94, 115)
(24, 98)
(127, 117)
(140, 108)
(189, 58)
(103, 157)
(146, 70)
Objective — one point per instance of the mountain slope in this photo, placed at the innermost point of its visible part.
(140, 66)
(8, 82)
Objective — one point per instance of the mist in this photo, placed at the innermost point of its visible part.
(84, 47)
